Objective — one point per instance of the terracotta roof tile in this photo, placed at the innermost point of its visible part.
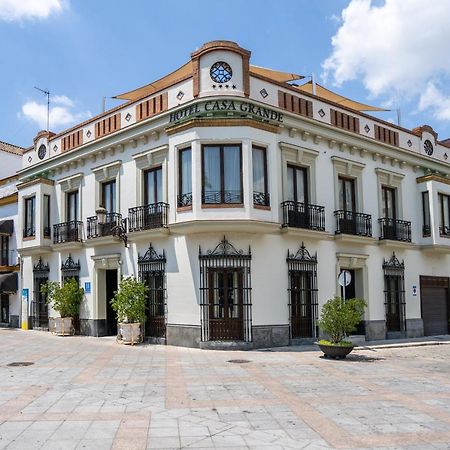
(10, 148)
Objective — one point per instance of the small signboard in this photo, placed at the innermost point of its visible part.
(345, 277)
(87, 287)
(25, 294)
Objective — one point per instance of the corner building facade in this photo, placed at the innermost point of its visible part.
(239, 198)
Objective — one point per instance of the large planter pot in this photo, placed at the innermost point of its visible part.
(130, 333)
(63, 326)
(336, 351)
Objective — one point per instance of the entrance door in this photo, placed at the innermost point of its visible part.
(111, 287)
(4, 308)
(155, 325)
(40, 310)
(435, 305)
(225, 297)
(350, 292)
(393, 313)
(302, 325)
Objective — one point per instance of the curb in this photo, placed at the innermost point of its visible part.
(401, 345)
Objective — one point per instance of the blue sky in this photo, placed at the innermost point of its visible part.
(83, 50)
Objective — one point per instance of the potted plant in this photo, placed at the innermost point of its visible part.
(65, 300)
(339, 318)
(129, 305)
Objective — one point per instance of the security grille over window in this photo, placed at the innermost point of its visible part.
(394, 294)
(70, 269)
(152, 271)
(303, 303)
(225, 290)
(39, 306)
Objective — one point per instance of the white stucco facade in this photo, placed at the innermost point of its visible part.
(197, 112)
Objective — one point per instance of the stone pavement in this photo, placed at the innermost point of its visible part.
(91, 393)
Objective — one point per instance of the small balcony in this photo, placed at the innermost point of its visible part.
(71, 231)
(106, 227)
(444, 231)
(261, 199)
(354, 223)
(148, 217)
(221, 197)
(29, 232)
(426, 230)
(303, 215)
(395, 229)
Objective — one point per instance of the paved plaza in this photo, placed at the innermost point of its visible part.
(91, 393)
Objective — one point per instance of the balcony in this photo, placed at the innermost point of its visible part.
(71, 231)
(29, 232)
(354, 223)
(221, 197)
(303, 215)
(107, 227)
(395, 229)
(148, 217)
(426, 230)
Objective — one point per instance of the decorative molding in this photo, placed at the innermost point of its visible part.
(153, 157)
(296, 154)
(71, 183)
(39, 180)
(107, 172)
(389, 178)
(432, 177)
(347, 167)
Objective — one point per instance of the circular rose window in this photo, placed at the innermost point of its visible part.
(220, 72)
(428, 147)
(42, 151)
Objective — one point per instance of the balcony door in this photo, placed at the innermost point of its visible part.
(297, 195)
(347, 205)
(389, 213)
(153, 186)
(302, 304)
(109, 196)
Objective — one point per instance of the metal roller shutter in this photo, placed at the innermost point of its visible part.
(434, 300)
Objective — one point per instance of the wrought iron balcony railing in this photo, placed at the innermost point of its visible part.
(221, 197)
(395, 229)
(426, 230)
(444, 231)
(184, 200)
(71, 231)
(261, 199)
(303, 215)
(29, 232)
(148, 216)
(47, 232)
(106, 228)
(350, 222)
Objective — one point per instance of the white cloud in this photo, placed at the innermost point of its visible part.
(61, 114)
(396, 48)
(12, 10)
(436, 100)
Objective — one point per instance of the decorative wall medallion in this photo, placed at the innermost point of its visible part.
(367, 128)
(263, 93)
(445, 156)
(128, 117)
(180, 95)
(55, 148)
(42, 151)
(88, 134)
(30, 159)
(428, 147)
(220, 72)
(409, 143)
(321, 112)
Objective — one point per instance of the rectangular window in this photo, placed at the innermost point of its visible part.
(297, 184)
(426, 214)
(388, 202)
(347, 195)
(260, 187)
(29, 229)
(72, 206)
(222, 174)
(184, 177)
(109, 196)
(46, 214)
(444, 216)
(4, 256)
(153, 186)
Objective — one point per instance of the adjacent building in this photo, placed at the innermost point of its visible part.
(11, 161)
(239, 197)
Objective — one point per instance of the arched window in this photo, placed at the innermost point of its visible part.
(70, 269)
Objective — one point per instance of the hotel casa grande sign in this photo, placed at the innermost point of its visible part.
(222, 108)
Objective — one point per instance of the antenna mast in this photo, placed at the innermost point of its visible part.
(47, 93)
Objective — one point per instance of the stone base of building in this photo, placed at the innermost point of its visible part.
(226, 345)
(14, 322)
(375, 330)
(93, 327)
(183, 335)
(414, 328)
(270, 336)
(155, 340)
(303, 341)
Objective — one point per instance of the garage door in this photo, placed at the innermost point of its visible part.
(434, 301)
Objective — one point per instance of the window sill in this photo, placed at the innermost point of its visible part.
(222, 205)
(184, 208)
(29, 238)
(264, 207)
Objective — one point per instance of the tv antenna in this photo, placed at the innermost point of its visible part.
(47, 93)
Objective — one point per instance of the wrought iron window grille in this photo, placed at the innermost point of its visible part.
(394, 294)
(70, 269)
(39, 307)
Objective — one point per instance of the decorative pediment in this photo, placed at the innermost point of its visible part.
(152, 256)
(393, 263)
(225, 249)
(302, 255)
(70, 264)
(41, 267)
